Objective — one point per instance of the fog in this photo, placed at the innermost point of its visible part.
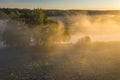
(91, 54)
(98, 27)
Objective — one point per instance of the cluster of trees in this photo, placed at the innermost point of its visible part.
(83, 42)
(38, 30)
(36, 17)
(39, 36)
(30, 17)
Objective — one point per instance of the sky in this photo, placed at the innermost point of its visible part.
(62, 4)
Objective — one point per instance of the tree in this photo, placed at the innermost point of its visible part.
(13, 15)
(84, 41)
(49, 35)
(36, 17)
(16, 36)
(39, 32)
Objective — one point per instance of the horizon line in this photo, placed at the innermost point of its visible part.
(62, 9)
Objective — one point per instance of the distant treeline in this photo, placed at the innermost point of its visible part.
(61, 12)
(30, 17)
(88, 12)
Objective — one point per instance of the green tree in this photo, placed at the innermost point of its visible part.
(13, 15)
(36, 17)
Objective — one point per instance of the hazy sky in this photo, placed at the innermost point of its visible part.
(62, 4)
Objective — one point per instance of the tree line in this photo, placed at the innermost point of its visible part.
(37, 30)
(16, 12)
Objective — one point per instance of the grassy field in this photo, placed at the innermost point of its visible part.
(95, 61)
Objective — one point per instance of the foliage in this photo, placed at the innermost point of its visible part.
(51, 21)
(36, 17)
(38, 31)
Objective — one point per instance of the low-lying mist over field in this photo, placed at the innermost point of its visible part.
(98, 27)
(76, 47)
